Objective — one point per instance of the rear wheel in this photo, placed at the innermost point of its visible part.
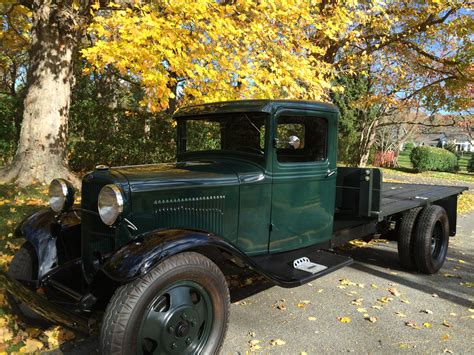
(24, 267)
(179, 307)
(431, 239)
(406, 237)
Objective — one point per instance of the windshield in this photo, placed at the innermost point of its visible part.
(244, 132)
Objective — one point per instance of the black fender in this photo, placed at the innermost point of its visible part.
(139, 256)
(41, 230)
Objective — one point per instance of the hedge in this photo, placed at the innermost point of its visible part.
(426, 158)
(470, 164)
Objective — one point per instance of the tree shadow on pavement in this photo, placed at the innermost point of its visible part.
(382, 260)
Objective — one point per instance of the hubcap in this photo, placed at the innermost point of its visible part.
(436, 240)
(177, 321)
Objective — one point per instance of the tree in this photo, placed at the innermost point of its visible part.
(55, 32)
(410, 51)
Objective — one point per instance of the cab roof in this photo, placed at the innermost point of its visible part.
(268, 106)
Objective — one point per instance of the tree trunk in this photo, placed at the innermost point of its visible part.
(42, 152)
(367, 141)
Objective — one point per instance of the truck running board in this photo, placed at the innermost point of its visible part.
(291, 269)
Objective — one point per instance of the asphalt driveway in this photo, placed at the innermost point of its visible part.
(387, 309)
(370, 307)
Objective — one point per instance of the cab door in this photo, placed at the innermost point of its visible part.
(303, 179)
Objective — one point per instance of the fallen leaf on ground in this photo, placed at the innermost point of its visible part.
(453, 314)
(412, 324)
(344, 319)
(5, 335)
(302, 304)
(400, 314)
(435, 295)
(312, 318)
(385, 299)
(372, 319)
(252, 334)
(31, 346)
(467, 284)
(404, 300)
(277, 342)
(426, 311)
(394, 292)
(254, 345)
(445, 337)
(461, 261)
(374, 286)
(376, 306)
(357, 302)
(427, 325)
(361, 310)
(447, 351)
(447, 324)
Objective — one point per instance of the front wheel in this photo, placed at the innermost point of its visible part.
(179, 307)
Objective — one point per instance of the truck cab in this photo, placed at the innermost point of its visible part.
(255, 184)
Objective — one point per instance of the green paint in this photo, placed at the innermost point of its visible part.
(236, 195)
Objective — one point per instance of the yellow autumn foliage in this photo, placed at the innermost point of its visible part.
(208, 50)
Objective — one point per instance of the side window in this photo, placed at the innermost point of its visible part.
(301, 139)
(203, 135)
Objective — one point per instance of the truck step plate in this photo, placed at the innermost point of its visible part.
(296, 267)
(305, 264)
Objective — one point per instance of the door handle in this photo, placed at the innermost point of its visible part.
(330, 172)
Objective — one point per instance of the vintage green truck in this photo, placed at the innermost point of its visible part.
(255, 184)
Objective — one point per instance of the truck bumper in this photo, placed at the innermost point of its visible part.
(47, 309)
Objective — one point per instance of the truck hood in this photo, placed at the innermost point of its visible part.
(187, 174)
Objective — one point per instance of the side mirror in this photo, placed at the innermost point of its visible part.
(294, 142)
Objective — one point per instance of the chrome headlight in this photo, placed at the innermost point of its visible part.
(61, 195)
(110, 204)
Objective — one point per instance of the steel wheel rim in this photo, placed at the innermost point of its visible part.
(177, 321)
(436, 240)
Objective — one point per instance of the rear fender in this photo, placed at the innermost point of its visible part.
(41, 230)
(140, 255)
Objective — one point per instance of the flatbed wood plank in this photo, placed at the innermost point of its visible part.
(399, 197)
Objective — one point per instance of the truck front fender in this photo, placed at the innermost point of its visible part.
(41, 230)
(140, 255)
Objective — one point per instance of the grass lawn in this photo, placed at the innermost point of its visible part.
(406, 168)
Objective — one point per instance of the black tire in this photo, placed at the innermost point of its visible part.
(121, 329)
(431, 239)
(24, 267)
(406, 236)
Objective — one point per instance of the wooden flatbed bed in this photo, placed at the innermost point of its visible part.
(399, 197)
(365, 204)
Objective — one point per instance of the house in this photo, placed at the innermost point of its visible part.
(461, 139)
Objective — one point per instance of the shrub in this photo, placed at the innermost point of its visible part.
(426, 158)
(470, 164)
(451, 147)
(408, 147)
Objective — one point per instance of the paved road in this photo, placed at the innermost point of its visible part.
(441, 295)
(273, 314)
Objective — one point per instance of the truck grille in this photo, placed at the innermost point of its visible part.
(97, 239)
